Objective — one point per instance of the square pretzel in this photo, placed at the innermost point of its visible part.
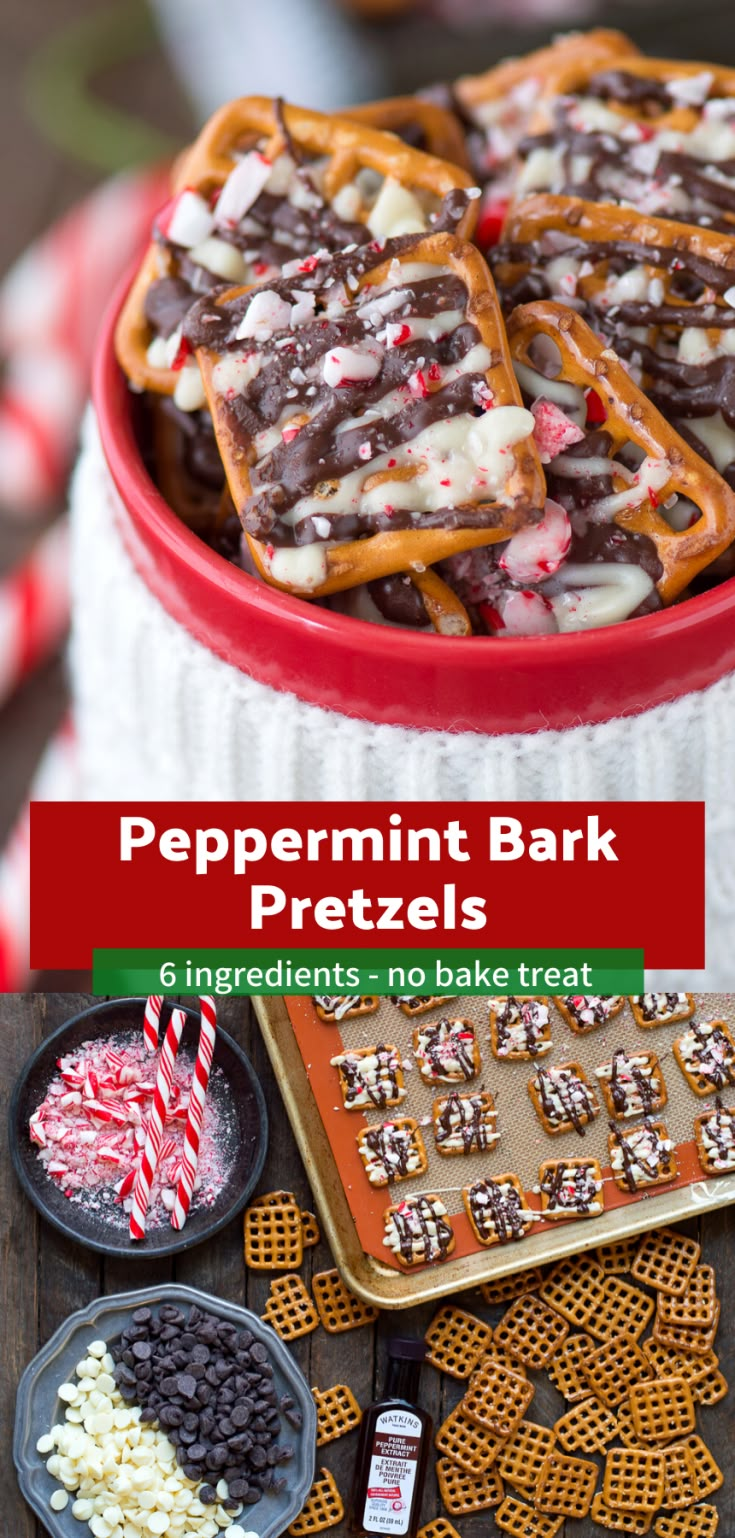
(652, 1009)
(612, 1367)
(497, 1356)
(574, 1287)
(562, 1098)
(523, 1454)
(642, 1157)
(520, 1027)
(708, 1474)
(323, 1507)
(521, 1521)
(345, 513)
(337, 1413)
(456, 1340)
(239, 141)
(696, 1340)
(623, 1310)
(714, 1132)
(472, 1447)
(636, 1522)
(694, 1307)
(446, 1050)
(499, 1214)
(274, 1238)
(633, 1480)
(711, 1387)
(586, 1012)
(626, 1430)
(667, 1363)
(566, 1368)
(392, 1151)
(706, 1056)
(566, 1486)
(289, 1308)
(587, 363)
(665, 1260)
(418, 1231)
(464, 1124)
(662, 1409)
(698, 1522)
(571, 1188)
(633, 1084)
(419, 1004)
(680, 1488)
(508, 1287)
(310, 1231)
(338, 1308)
(462, 1492)
(497, 1398)
(531, 1331)
(588, 1427)
(616, 1258)
(332, 1009)
(438, 1527)
(370, 1078)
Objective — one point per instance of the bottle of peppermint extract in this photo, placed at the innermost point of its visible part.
(390, 1464)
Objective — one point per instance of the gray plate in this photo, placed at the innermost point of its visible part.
(89, 1228)
(38, 1407)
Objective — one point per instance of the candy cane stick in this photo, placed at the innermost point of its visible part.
(152, 1021)
(195, 1116)
(154, 1138)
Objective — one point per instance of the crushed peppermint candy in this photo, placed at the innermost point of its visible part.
(90, 1130)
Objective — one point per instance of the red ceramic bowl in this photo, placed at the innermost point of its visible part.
(393, 676)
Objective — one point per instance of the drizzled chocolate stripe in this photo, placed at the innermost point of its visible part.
(310, 457)
(606, 153)
(618, 85)
(621, 254)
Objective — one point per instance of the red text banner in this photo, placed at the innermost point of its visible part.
(584, 874)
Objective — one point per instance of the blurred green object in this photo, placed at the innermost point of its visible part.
(66, 110)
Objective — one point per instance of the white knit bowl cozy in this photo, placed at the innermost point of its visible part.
(160, 717)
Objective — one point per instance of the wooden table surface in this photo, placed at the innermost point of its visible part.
(44, 1277)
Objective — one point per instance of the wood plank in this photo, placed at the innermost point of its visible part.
(45, 1277)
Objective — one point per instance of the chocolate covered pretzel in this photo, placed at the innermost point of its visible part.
(635, 471)
(264, 183)
(366, 412)
(656, 135)
(658, 292)
(497, 106)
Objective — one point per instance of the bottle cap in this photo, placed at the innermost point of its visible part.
(404, 1349)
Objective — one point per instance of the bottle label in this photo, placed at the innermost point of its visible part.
(392, 1473)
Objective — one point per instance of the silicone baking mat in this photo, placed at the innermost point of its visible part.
(523, 1142)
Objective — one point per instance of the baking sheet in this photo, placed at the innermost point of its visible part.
(302, 1047)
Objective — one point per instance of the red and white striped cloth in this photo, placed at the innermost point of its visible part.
(51, 304)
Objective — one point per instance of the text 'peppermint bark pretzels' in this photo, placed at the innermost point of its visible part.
(263, 183)
(367, 413)
(650, 468)
(654, 134)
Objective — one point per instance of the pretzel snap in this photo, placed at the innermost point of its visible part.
(367, 414)
(264, 182)
(643, 133)
(668, 469)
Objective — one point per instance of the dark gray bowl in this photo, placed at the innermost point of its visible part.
(38, 1407)
(90, 1230)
